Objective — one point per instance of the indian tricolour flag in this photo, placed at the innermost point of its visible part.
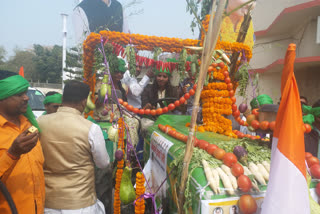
(287, 190)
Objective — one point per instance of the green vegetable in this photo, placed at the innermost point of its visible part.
(127, 193)
(105, 87)
(90, 105)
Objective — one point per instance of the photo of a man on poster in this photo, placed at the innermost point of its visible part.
(96, 15)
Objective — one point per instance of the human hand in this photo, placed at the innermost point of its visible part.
(150, 73)
(148, 106)
(24, 143)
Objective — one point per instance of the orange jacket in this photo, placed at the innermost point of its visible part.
(23, 178)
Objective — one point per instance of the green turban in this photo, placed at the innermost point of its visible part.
(260, 100)
(55, 98)
(163, 71)
(121, 66)
(311, 114)
(15, 85)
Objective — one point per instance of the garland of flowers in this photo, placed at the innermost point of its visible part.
(160, 111)
(139, 207)
(120, 165)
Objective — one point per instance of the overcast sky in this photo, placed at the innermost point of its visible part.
(24, 23)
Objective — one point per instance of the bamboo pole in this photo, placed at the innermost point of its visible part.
(241, 37)
(208, 49)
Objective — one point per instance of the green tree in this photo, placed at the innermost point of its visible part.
(48, 62)
(3, 54)
(74, 64)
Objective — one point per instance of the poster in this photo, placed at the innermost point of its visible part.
(227, 205)
(155, 169)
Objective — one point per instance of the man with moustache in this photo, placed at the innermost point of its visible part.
(21, 158)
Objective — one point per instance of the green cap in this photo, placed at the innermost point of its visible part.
(121, 66)
(260, 100)
(311, 114)
(163, 71)
(55, 98)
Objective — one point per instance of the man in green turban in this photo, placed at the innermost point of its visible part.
(21, 158)
(260, 101)
(312, 139)
(52, 102)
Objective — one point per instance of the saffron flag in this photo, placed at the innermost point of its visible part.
(287, 190)
(21, 71)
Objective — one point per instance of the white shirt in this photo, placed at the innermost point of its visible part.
(244, 129)
(81, 24)
(135, 88)
(161, 95)
(101, 160)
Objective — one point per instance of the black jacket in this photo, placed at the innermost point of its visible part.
(150, 94)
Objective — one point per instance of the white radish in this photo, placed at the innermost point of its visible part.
(263, 171)
(216, 179)
(248, 173)
(255, 171)
(266, 165)
(226, 181)
(209, 176)
(233, 179)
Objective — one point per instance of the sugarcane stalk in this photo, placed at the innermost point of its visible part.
(241, 37)
(208, 49)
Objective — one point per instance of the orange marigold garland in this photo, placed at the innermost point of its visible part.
(120, 165)
(140, 190)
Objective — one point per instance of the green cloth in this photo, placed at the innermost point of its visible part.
(260, 100)
(15, 85)
(55, 98)
(163, 71)
(311, 114)
(121, 66)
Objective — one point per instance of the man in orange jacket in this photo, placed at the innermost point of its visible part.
(21, 158)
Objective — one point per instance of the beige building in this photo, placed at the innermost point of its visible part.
(278, 23)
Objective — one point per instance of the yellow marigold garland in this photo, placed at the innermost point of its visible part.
(140, 190)
(120, 165)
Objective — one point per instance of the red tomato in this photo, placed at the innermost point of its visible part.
(176, 103)
(196, 142)
(315, 171)
(129, 107)
(231, 93)
(135, 110)
(194, 86)
(230, 86)
(211, 148)
(159, 111)
(308, 155)
(165, 110)
(318, 189)
(161, 127)
(227, 80)
(203, 144)
(233, 99)
(229, 159)
(234, 107)
(255, 112)
(221, 64)
(244, 183)
(141, 111)
(210, 68)
(120, 101)
(236, 113)
(242, 122)
(182, 100)
(237, 170)
(240, 135)
(192, 92)
(255, 124)
(307, 127)
(247, 135)
(312, 160)
(125, 104)
(238, 119)
(247, 204)
(226, 73)
(171, 106)
(219, 153)
(214, 64)
(272, 125)
(153, 112)
(147, 111)
(186, 96)
(264, 125)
